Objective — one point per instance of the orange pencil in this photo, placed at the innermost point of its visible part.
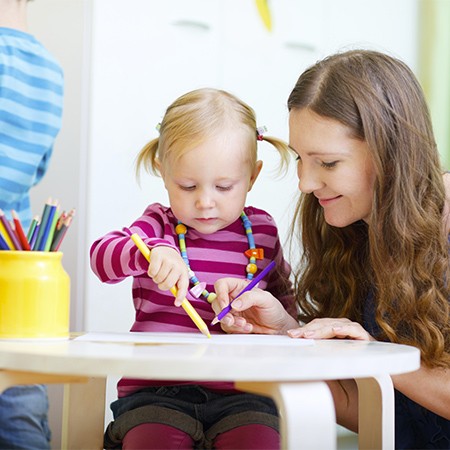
(61, 219)
(19, 231)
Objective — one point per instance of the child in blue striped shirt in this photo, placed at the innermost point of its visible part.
(31, 100)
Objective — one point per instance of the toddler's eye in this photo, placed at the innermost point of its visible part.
(224, 188)
(187, 188)
(329, 165)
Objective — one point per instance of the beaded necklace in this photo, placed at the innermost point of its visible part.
(252, 254)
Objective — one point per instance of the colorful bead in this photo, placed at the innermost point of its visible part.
(252, 254)
(198, 289)
(180, 229)
(257, 253)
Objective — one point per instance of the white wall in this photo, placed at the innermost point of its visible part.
(61, 26)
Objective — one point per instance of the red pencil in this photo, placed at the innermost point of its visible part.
(57, 240)
(19, 231)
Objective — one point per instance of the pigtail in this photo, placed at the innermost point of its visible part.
(282, 147)
(147, 158)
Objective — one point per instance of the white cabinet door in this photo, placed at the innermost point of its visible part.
(144, 54)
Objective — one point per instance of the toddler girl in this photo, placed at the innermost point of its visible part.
(206, 155)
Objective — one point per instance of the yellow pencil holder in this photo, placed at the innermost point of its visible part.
(34, 295)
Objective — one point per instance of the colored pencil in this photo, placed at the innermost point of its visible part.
(10, 232)
(6, 237)
(19, 231)
(249, 286)
(44, 219)
(60, 222)
(51, 233)
(45, 234)
(3, 244)
(191, 312)
(32, 227)
(34, 235)
(59, 234)
(48, 226)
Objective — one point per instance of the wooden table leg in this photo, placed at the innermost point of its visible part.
(84, 415)
(308, 419)
(9, 378)
(376, 413)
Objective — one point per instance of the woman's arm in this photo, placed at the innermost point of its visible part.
(429, 387)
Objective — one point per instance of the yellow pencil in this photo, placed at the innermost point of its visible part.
(191, 312)
(5, 235)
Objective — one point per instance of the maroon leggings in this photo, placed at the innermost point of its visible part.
(155, 436)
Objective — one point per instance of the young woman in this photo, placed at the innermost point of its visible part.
(372, 218)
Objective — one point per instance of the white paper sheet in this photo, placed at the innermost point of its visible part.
(193, 338)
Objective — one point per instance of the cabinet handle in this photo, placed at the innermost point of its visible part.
(185, 23)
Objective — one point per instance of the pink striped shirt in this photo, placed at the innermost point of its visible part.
(114, 257)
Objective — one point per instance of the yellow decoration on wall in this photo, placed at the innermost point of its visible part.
(434, 69)
(264, 12)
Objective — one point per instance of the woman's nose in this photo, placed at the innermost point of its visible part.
(308, 180)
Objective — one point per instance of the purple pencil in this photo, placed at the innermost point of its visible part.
(249, 286)
(34, 235)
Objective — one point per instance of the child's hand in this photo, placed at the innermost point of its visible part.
(167, 269)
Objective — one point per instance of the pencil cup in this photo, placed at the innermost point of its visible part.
(34, 295)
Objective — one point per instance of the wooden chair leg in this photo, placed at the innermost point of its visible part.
(84, 415)
(376, 413)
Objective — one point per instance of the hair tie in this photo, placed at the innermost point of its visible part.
(158, 127)
(260, 133)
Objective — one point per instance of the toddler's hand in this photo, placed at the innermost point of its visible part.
(167, 269)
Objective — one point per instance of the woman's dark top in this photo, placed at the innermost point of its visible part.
(415, 426)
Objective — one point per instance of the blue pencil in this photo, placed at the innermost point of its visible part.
(3, 244)
(249, 286)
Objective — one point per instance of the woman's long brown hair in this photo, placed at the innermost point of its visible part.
(401, 258)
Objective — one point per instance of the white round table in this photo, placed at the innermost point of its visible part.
(291, 374)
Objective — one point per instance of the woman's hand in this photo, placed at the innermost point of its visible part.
(331, 328)
(256, 311)
(167, 269)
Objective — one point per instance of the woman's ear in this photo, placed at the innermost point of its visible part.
(254, 176)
